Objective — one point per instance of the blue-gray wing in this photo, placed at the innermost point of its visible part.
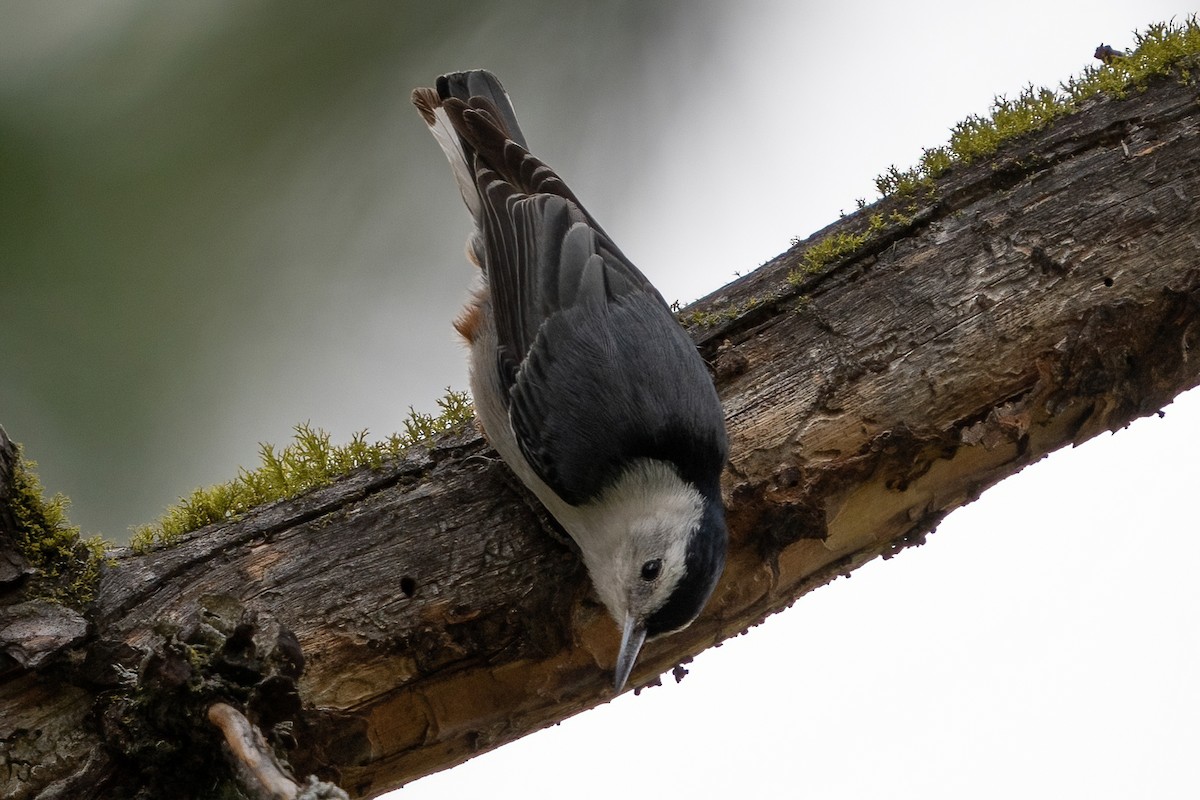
(597, 370)
(544, 256)
(606, 382)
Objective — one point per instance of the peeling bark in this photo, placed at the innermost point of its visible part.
(1042, 297)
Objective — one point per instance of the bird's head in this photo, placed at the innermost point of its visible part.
(658, 554)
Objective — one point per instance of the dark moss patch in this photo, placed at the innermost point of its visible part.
(65, 565)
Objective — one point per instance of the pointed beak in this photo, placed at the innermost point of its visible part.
(631, 644)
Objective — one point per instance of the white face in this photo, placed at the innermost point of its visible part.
(634, 538)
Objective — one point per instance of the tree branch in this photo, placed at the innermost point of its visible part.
(1033, 301)
(263, 776)
(259, 772)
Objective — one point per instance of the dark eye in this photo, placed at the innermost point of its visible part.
(651, 569)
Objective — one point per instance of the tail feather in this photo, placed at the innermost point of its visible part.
(472, 101)
(464, 86)
(472, 119)
(429, 104)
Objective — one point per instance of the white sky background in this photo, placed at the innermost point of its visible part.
(1045, 642)
(306, 266)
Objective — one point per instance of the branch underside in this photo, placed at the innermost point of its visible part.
(1036, 300)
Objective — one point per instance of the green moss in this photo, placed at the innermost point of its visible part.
(309, 462)
(842, 244)
(1165, 48)
(826, 251)
(710, 319)
(903, 182)
(67, 566)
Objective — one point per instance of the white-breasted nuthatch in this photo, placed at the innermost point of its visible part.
(583, 380)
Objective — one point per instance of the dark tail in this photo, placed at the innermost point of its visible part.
(472, 118)
(494, 121)
(481, 83)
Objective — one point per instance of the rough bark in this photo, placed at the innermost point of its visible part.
(1033, 301)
